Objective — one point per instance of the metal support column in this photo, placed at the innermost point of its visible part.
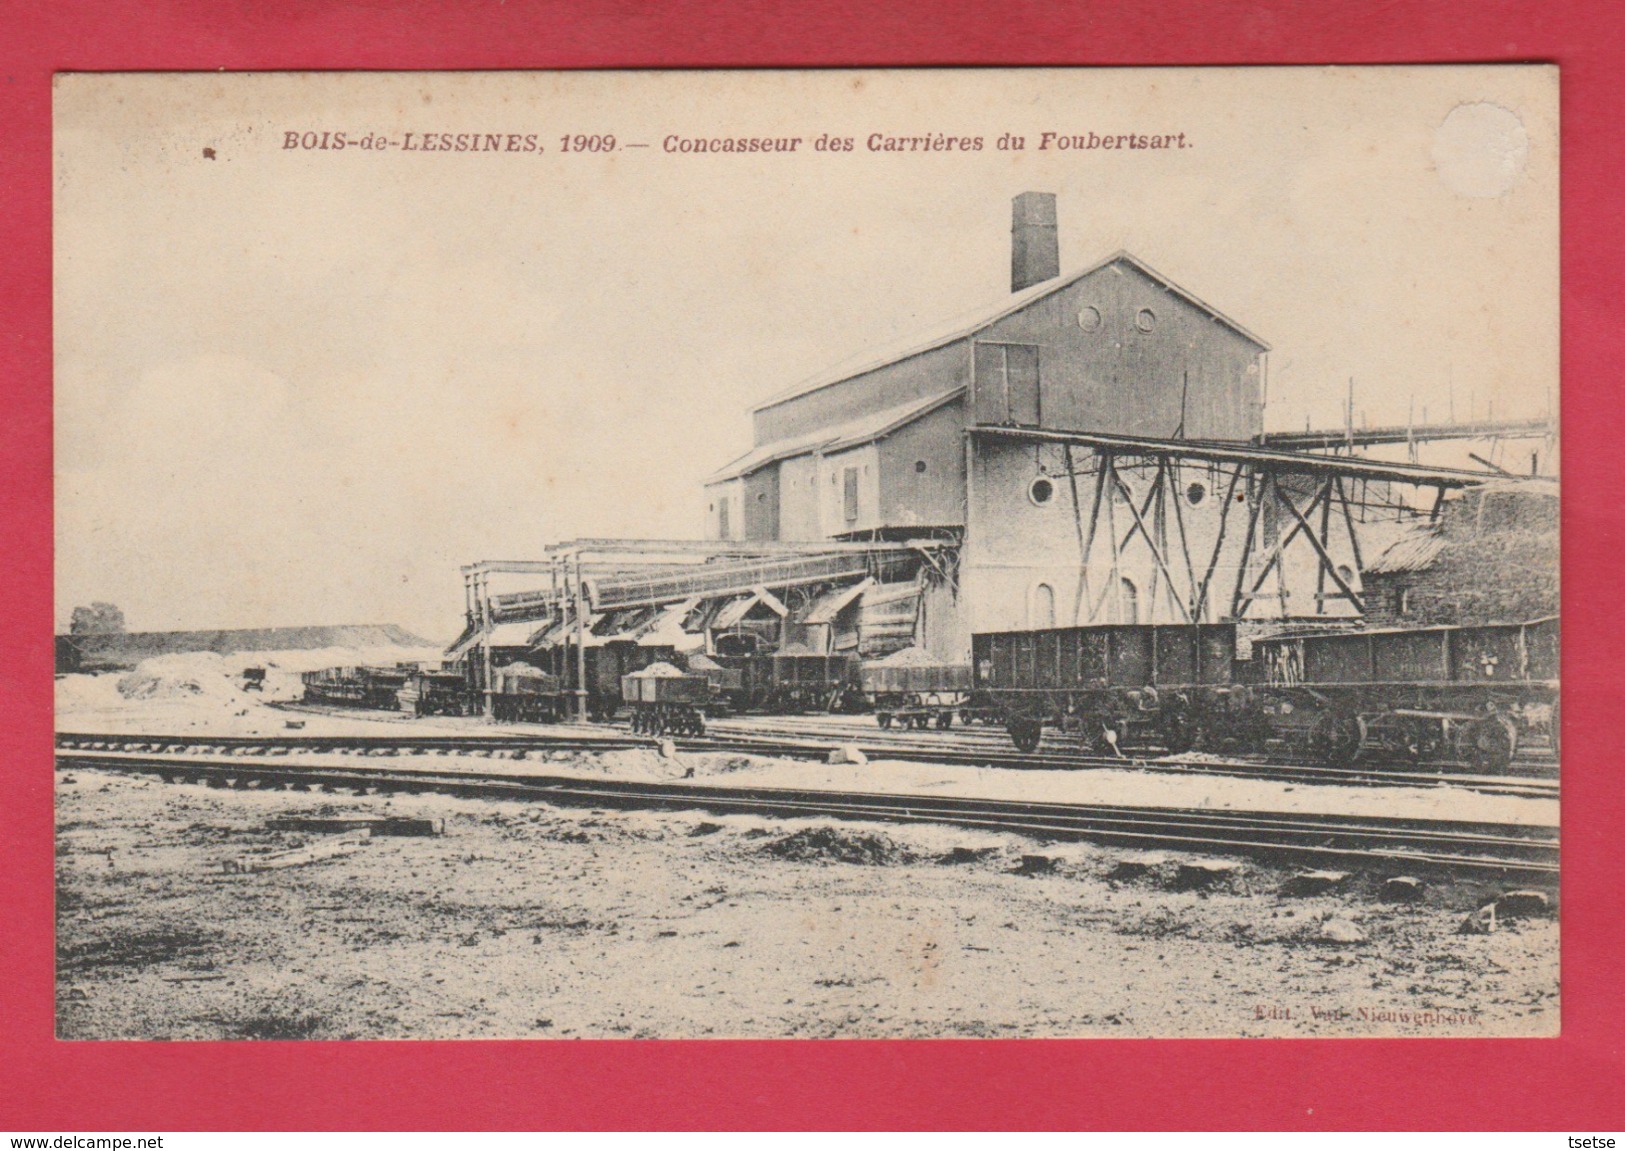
(581, 644)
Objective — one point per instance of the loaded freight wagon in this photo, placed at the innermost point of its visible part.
(911, 689)
(1473, 694)
(666, 701)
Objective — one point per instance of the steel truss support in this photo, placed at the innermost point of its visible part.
(1280, 523)
(1148, 526)
(1270, 495)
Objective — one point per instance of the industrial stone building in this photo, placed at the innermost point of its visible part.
(1090, 450)
(926, 443)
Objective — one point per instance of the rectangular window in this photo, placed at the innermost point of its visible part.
(1007, 384)
(851, 495)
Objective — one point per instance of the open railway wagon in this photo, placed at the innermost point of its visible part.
(740, 684)
(808, 681)
(666, 701)
(521, 693)
(780, 683)
(916, 695)
(437, 691)
(1114, 685)
(360, 687)
(1471, 693)
(607, 666)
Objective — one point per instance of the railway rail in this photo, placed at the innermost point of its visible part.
(522, 744)
(1380, 845)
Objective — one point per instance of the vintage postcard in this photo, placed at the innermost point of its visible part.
(977, 553)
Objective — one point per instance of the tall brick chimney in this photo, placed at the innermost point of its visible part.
(1035, 250)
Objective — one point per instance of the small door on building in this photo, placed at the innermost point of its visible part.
(1007, 387)
(722, 518)
(850, 495)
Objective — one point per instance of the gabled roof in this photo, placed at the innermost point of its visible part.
(969, 324)
(853, 433)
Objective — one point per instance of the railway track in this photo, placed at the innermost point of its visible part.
(1379, 845)
(520, 743)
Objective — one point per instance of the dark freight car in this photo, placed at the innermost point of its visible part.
(666, 702)
(1114, 685)
(804, 681)
(606, 663)
(1475, 693)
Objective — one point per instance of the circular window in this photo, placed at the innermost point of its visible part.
(1195, 494)
(1089, 318)
(1041, 491)
(919, 466)
(1145, 319)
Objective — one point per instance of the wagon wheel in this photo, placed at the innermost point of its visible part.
(1399, 736)
(1178, 732)
(1092, 737)
(1026, 733)
(1488, 743)
(883, 719)
(945, 720)
(1336, 738)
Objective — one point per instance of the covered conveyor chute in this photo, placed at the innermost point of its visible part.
(593, 580)
(740, 577)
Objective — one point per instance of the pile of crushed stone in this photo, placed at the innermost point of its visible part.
(178, 676)
(909, 657)
(660, 670)
(208, 678)
(827, 844)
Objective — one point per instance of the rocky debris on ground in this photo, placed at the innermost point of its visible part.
(1308, 883)
(839, 845)
(848, 753)
(1210, 875)
(629, 923)
(962, 854)
(1401, 889)
(1339, 929)
(1481, 922)
(1139, 866)
(1036, 865)
(1523, 905)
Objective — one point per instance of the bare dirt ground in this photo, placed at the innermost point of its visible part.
(523, 920)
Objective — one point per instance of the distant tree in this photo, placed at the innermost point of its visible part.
(97, 619)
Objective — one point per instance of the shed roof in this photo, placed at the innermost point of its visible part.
(969, 324)
(852, 434)
(831, 604)
(1414, 551)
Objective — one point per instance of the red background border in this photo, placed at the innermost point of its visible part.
(1571, 1083)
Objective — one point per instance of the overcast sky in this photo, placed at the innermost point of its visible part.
(299, 387)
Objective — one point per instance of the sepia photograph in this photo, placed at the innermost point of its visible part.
(981, 553)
